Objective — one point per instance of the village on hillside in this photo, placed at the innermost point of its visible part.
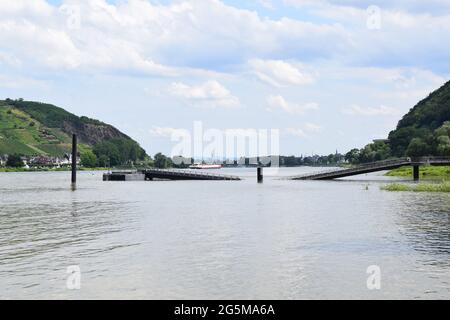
(38, 162)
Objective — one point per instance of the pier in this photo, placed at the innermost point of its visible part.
(166, 174)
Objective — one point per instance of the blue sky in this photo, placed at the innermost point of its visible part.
(327, 74)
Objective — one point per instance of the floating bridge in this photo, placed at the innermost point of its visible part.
(376, 166)
(166, 174)
(181, 174)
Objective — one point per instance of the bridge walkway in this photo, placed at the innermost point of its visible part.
(374, 167)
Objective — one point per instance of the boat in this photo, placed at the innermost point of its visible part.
(205, 166)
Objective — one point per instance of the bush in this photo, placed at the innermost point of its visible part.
(14, 161)
(89, 159)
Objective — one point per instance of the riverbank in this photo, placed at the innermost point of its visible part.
(430, 172)
(444, 186)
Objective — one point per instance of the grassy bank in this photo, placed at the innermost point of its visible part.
(420, 187)
(425, 172)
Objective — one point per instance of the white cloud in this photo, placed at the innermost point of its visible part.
(165, 132)
(279, 103)
(305, 131)
(279, 73)
(47, 47)
(26, 7)
(296, 132)
(9, 60)
(17, 82)
(210, 94)
(138, 37)
(268, 4)
(408, 29)
(397, 77)
(311, 127)
(437, 7)
(356, 110)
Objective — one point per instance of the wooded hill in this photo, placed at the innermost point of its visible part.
(33, 128)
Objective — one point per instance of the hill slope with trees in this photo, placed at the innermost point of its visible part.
(423, 130)
(33, 128)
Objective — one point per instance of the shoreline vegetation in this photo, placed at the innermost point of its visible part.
(443, 186)
(426, 172)
(438, 180)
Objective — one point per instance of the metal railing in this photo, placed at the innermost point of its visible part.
(365, 166)
(430, 160)
(375, 165)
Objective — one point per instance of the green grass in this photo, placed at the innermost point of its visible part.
(9, 146)
(425, 172)
(13, 170)
(420, 187)
(56, 149)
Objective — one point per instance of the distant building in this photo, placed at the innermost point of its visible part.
(3, 160)
(48, 161)
(386, 141)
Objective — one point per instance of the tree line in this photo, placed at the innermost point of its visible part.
(424, 143)
(111, 153)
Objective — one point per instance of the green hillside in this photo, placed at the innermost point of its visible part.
(423, 131)
(33, 128)
(424, 125)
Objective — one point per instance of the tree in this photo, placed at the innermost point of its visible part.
(108, 150)
(442, 135)
(14, 161)
(367, 154)
(418, 148)
(372, 152)
(88, 159)
(119, 151)
(352, 156)
(444, 130)
(161, 161)
(382, 150)
(443, 147)
(103, 161)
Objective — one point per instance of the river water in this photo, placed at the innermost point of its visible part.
(220, 240)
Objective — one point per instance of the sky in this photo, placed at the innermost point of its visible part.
(329, 75)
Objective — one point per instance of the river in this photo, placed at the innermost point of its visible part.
(221, 239)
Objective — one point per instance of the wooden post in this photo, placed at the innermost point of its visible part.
(74, 159)
(416, 172)
(260, 175)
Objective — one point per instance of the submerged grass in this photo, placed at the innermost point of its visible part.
(444, 186)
